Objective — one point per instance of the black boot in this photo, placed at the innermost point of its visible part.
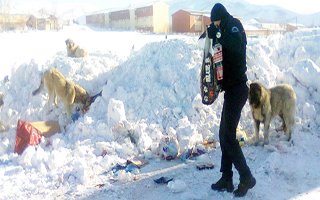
(244, 185)
(225, 183)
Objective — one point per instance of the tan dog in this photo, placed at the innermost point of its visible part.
(267, 103)
(68, 92)
(74, 50)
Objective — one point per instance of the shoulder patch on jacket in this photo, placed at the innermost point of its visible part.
(234, 29)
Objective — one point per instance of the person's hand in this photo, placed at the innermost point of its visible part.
(212, 31)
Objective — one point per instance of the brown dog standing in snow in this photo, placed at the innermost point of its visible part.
(267, 103)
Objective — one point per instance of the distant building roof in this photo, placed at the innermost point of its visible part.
(195, 12)
(296, 25)
(130, 6)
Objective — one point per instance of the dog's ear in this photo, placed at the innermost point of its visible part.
(67, 41)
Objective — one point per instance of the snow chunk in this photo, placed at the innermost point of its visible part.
(177, 186)
(116, 112)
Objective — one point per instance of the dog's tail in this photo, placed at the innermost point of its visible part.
(37, 91)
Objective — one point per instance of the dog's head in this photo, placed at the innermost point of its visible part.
(70, 43)
(82, 97)
(89, 100)
(255, 93)
(86, 103)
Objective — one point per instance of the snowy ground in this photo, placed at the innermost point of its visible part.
(150, 89)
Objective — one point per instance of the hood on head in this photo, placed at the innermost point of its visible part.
(218, 12)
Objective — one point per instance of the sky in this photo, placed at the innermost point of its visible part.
(303, 7)
(150, 87)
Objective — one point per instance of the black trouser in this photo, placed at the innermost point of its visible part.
(234, 100)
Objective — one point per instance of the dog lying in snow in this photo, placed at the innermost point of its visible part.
(74, 50)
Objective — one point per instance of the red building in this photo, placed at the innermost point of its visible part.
(184, 21)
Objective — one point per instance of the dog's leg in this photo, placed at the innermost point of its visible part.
(284, 124)
(288, 122)
(283, 127)
(256, 131)
(266, 127)
(55, 99)
(69, 110)
(49, 102)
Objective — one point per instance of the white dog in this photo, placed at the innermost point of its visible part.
(74, 50)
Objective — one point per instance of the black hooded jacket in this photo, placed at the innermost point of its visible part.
(233, 40)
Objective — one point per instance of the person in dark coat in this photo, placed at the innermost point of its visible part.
(229, 32)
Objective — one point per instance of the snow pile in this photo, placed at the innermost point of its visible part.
(150, 91)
